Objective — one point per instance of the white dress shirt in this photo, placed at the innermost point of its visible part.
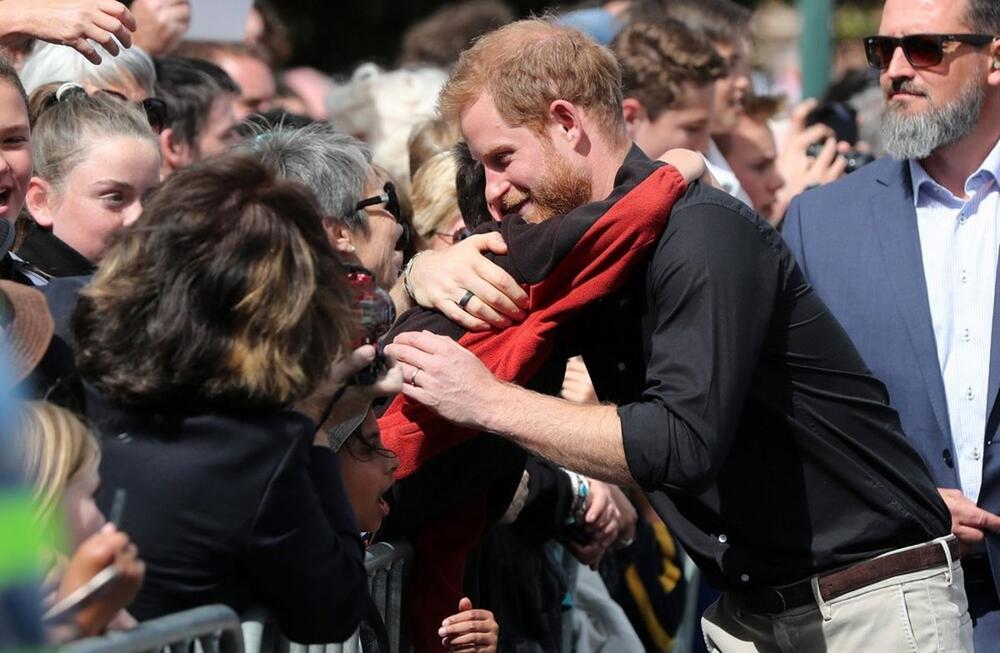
(959, 240)
(724, 174)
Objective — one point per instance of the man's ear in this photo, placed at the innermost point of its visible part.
(993, 78)
(40, 200)
(635, 115)
(176, 153)
(567, 121)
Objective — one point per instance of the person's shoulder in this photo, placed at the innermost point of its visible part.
(855, 186)
(713, 213)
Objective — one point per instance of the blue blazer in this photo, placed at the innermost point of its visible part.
(857, 242)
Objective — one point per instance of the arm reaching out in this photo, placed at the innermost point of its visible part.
(70, 22)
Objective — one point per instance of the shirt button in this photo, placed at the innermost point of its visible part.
(723, 539)
(621, 367)
(966, 335)
(970, 395)
(964, 277)
(976, 454)
(745, 578)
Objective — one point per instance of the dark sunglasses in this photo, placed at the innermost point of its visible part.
(457, 237)
(391, 200)
(154, 108)
(921, 50)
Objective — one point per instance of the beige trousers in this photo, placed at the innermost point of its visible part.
(916, 612)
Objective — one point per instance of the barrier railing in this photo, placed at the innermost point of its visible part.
(208, 629)
(387, 566)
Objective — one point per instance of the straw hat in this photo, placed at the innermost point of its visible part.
(26, 327)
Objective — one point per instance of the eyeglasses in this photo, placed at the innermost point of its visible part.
(391, 200)
(457, 237)
(921, 50)
(154, 108)
(156, 113)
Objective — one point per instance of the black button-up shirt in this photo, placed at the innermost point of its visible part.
(754, 426)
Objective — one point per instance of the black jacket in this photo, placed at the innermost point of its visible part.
(239, 509)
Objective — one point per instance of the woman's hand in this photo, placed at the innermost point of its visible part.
(70, 22)
(355, 398)
(161, 24)
(470, 630)
(440, 279)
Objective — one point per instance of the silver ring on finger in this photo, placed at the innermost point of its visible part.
(413, 377)
(466, 298)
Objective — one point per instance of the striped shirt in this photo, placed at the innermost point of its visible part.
(959, 240)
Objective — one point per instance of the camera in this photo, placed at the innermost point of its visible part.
(842, 118)
(374, 313)
(855, 159)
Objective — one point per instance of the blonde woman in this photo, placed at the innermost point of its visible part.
(61, 458)
(436, 216)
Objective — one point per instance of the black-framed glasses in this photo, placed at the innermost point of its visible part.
(458, 236)
(156, 113)
(921, 50)
(391, 200)
(154, 108)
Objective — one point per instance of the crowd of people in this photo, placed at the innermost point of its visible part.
(568, 303)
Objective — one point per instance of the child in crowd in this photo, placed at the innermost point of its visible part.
(367, 468)
(61, 459)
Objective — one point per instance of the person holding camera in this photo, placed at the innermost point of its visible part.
(904, 252)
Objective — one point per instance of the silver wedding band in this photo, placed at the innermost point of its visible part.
(413, 377)
(466, 298)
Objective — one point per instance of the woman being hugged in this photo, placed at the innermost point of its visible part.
(208, 320)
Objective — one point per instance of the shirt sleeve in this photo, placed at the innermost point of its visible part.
(307, 558)
(711, 291)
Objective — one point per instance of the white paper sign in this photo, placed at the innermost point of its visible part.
(218, 20)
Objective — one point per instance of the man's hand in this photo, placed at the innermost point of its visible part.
(577, 385)
(70, 22)
(470, 630)
(161, 24)
(440, 279)
(356, 397)
(445, 376)
(108, 547)
(968, 521)
(602, 520)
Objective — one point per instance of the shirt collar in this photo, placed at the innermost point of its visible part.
(989, 168)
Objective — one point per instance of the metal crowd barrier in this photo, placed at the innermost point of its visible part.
(387, 566)
(208, 629)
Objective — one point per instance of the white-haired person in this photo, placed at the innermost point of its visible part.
(382, 107)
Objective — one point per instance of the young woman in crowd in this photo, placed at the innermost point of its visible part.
(207, 321)
(15, 143)
(61, 460)
(95, 159)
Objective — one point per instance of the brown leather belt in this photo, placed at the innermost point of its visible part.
(772, 600)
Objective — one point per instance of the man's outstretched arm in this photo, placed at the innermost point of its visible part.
(586, 439)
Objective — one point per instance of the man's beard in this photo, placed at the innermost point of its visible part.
(918, 136)
(560, 189)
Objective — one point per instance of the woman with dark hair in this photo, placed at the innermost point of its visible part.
(208, 320)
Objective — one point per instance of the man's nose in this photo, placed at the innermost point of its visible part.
(899, 66)
(496, 186)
